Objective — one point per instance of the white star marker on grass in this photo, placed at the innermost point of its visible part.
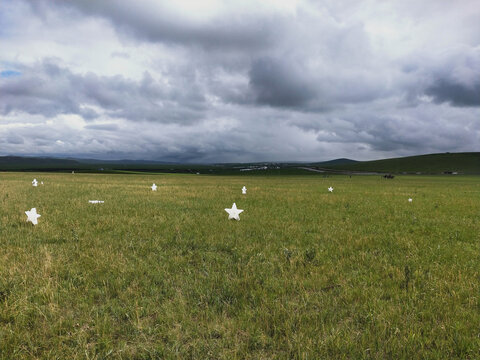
(234, 213)
(154, 187)
(34, 182)
(32, 216)
(244, 190)
(330, 189)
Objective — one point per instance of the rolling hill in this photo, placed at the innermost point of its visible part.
(20, 163)
(462, 163)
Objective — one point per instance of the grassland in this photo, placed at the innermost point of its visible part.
(359, 273)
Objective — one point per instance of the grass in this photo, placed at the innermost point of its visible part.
(359, 273)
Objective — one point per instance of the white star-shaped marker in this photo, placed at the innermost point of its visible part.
(234, 212)
(154, 187)
(32, 216)
(244, 190)
(34, 182)
(410, 200)
(330, 189)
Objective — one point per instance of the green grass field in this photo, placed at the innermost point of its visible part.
(359, 273)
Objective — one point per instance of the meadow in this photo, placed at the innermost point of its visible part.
(359, 273)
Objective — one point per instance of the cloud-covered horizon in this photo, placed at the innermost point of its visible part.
(229, 81)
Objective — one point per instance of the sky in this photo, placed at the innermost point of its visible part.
(239, 81)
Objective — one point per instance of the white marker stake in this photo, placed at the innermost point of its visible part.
(96, 201)
(234, 213)
(32, 216)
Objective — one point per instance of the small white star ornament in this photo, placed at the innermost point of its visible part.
(32, 216)
(244, 190)
(154, 187)
(35, 182)
(234, 213)
(330, 189)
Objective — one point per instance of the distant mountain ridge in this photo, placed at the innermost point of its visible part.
(21, 161)
(443, 163)
(31, 163)
(341, 161)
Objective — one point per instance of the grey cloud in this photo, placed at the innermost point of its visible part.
(156, 22)
(400, 130)
(49, 89)
(458, 94)
(289, 83)
(326, 80)
(120, 54)
(453, 78)
(457, 78)
(284, 78)
(274, 83)
(106, 127)
(14, 139)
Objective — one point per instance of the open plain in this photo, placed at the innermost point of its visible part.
(359, 273)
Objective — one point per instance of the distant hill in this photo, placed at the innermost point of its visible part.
(341, 161)
(36, 163)
(123, 162)
(462, 163)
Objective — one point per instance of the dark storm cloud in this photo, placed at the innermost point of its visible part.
(49, 89)
(289, 83)
(278, 84)
(282, 79)
(454, 77)
(157, 22)
(458, 94)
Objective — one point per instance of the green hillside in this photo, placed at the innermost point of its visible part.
(19, 163)
(463, 163)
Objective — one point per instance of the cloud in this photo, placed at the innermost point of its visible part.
(13, 139)
(278, 84)
(49, 89)
(239, 80)
(102, 127)
(222, 27)
(456, 79)
(458, 94)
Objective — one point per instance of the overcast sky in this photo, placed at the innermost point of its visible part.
(246, 80)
